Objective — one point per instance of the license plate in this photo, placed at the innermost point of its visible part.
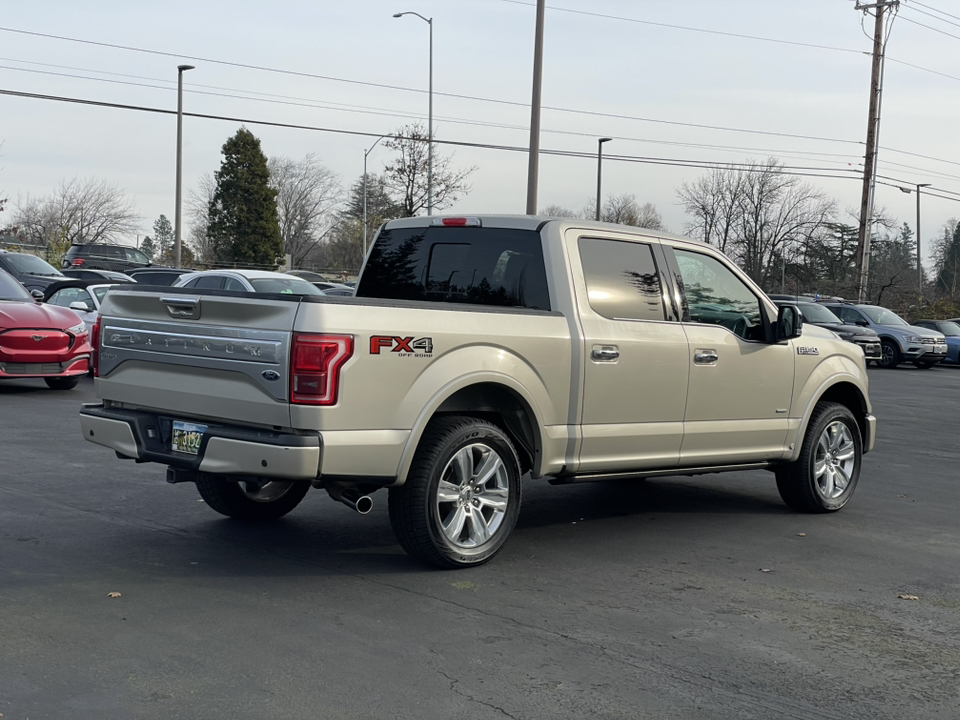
(187, 437)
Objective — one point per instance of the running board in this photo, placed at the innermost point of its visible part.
(641, 474)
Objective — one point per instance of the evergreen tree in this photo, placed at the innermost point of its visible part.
(947, 249)
(148, 248)
(244, 226)
(163, 237)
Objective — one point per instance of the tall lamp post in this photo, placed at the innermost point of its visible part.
(365, 153)
(428, 21)
(600, 143)
(919, 266)
(181, 69)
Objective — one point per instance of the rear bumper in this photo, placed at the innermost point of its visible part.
(224, 450)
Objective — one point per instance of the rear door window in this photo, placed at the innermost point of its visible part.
(209, 281)
(484, 266)
(622, 279)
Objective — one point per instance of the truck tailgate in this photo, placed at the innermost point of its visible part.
(198, 355)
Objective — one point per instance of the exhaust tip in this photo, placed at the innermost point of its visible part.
(363, 504)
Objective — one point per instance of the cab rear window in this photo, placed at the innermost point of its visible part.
(483, 266)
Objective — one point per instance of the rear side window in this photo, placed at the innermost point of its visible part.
(484, 266)
(622, 280)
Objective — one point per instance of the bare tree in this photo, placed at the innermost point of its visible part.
(406, 176)
(307, 193)
(624, 210)
(757, 214)
(198, 214)
(559, 211)
(79, 211)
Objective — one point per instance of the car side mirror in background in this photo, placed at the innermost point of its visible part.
(80, 306)
(37, 295)
(789, 323)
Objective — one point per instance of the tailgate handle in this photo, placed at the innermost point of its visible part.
(182, 307)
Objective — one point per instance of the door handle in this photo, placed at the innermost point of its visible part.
(704, 356)
(605, 353)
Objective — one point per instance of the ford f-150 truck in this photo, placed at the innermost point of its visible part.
(479, 351)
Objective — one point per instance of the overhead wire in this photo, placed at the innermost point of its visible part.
(930, 7)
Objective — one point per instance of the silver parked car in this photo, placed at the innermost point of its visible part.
(899, 341)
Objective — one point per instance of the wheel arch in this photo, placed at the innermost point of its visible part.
(843, 392)
(496, 398)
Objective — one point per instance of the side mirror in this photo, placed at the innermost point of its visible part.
(37, 295)
(80, 306)
(789, 323)
(863, 323)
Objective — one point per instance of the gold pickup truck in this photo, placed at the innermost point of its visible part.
(480, 351)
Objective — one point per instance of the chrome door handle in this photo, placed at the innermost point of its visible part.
(705, 357)
(605, 353)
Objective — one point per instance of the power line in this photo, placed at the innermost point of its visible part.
(930, 7)
(687, 28)
(342, 107)
(929, 14)
(420, 91)
(929, 27)
(799, 170)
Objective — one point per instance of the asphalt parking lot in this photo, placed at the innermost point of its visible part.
(678, 598)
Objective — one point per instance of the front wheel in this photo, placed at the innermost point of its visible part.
(889, 354)
(462, 495)
(825, 475)
(253, 499)
(61, 383)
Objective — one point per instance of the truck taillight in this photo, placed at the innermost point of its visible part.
(95, 347)
(315, 367)
(77, 262)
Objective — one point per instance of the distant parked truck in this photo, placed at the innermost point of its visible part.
(479, 350)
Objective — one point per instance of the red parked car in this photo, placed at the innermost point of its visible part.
(40, 340)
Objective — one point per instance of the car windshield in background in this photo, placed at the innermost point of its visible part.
(882, 316)
(484, 266)
(101, 293)
(818, 314)
(32, 265)
(950, 329)
(11, 289)
(291, 286)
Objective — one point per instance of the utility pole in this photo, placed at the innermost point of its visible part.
(533, 166)
(870, 158)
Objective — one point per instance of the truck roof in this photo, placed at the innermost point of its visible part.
(534, 222)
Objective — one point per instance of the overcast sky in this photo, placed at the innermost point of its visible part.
(668, 79)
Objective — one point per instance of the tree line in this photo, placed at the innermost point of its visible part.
(786, 234)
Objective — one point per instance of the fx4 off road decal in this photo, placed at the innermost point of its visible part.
(402, 346)
(801, 350)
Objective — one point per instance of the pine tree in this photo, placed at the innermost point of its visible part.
(148, 248)
(163, 238)
(244, 227)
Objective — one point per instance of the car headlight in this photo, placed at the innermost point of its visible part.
(913, 338)
(79, 329)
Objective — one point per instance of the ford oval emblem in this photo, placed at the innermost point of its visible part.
(270, 375)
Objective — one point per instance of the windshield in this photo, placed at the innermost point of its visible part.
(950, 329)
(11, 289)
(287, 286)
(101, 293)
(817, 314)
(882, 316)
(32, 265)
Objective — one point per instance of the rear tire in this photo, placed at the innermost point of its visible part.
(461, 498)
(61, 383)
(825, 475)
(247, 500)
(889, 354)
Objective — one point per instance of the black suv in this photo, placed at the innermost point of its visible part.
(105, 257)
(816, 314)
(33, 273)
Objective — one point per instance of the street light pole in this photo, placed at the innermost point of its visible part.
(919, 267)
(428, 21)
(600, 143)
(177, 222)
(365, 153)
